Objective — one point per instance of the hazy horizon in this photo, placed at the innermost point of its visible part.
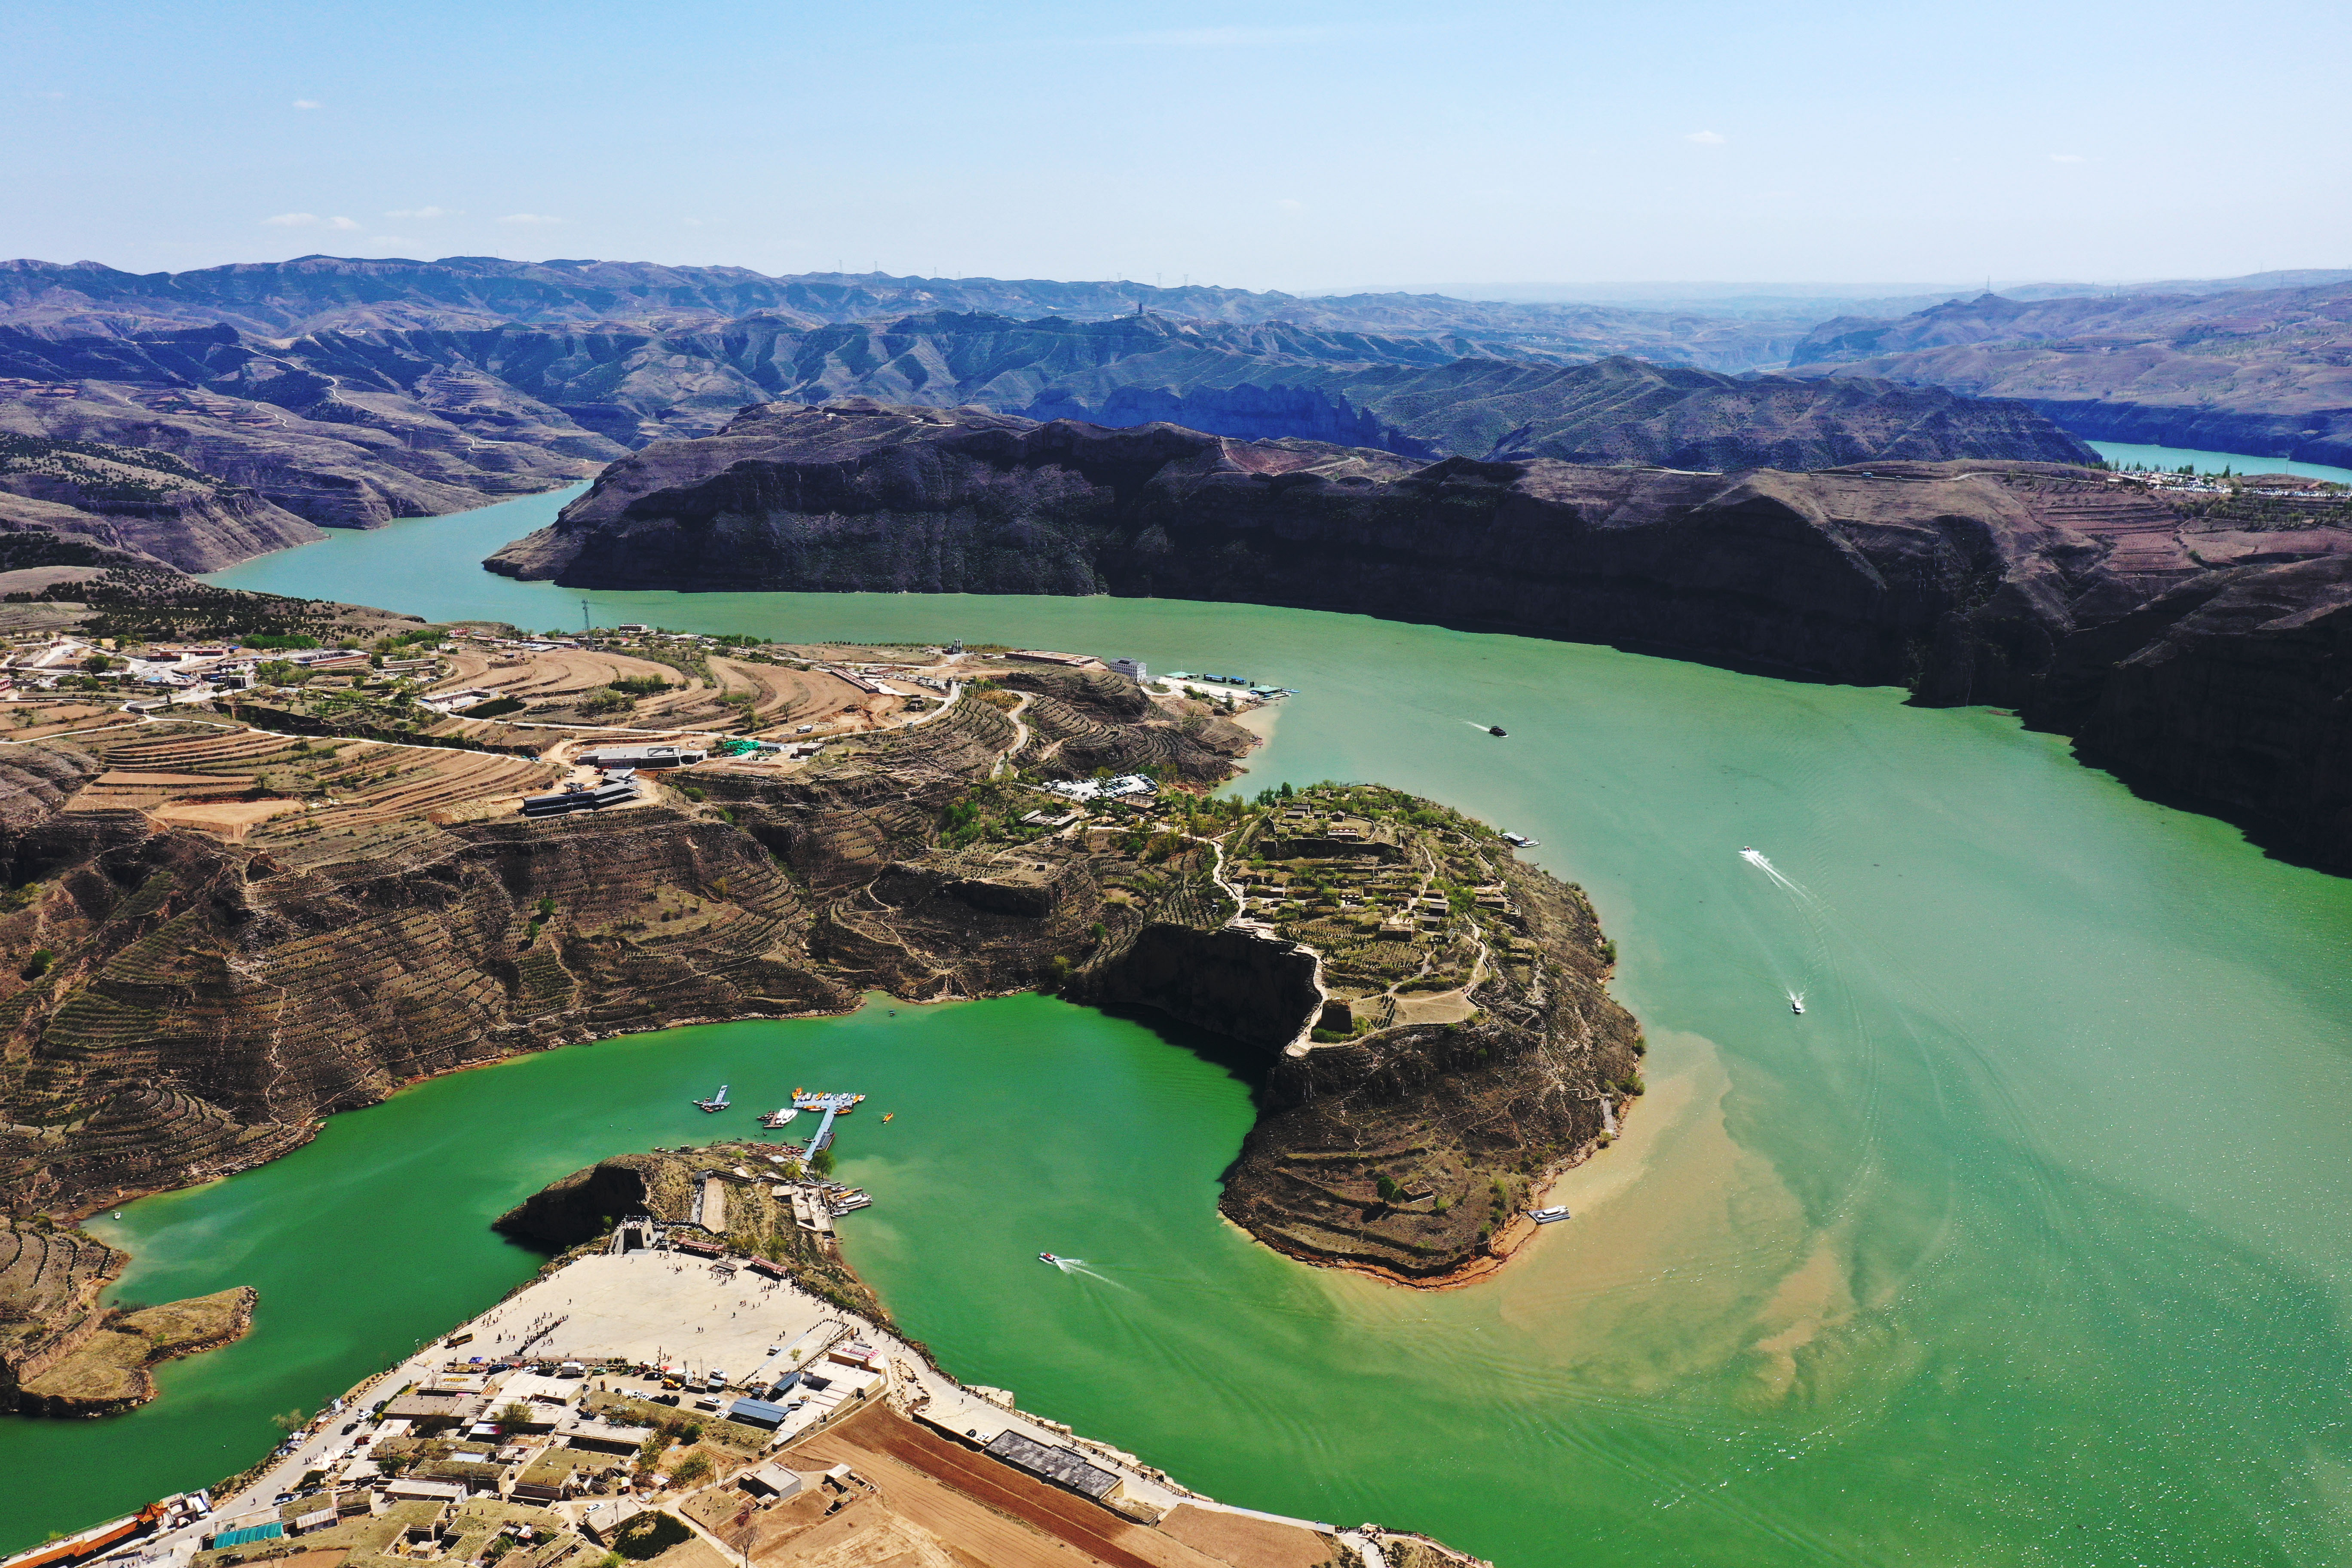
(1303, 148)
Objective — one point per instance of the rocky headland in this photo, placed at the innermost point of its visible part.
(2030, 585)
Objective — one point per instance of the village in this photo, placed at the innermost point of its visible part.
(676, 1392)
(300, 746)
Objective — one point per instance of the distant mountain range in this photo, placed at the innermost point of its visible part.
(347, 391)
(320, 293)
(2264, 371)
(596, 393)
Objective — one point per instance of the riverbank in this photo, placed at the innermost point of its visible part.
(609, 1411)
(65, 1353)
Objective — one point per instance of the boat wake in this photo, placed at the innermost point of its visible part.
(1078, 1265)
(1757, 858)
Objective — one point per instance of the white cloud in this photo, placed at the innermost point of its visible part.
(1707, 138)
(2068, 158)
(529, 219)
(342, 222)
(425, 212)
(292, 220)
(308, 103)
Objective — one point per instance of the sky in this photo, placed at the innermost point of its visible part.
(1308, 147)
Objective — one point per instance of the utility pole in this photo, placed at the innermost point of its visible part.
(584, 615)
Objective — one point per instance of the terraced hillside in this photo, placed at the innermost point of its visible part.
(50, 1280)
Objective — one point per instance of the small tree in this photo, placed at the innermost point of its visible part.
(96, 664)
(822, 1162)
(692, 1471)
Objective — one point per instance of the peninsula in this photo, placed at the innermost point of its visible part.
(337, 864)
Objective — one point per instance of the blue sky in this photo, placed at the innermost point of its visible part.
(1302, 146)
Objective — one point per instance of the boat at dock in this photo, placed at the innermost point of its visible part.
(778, 1118)
(716, 1102)
(1553, 1215)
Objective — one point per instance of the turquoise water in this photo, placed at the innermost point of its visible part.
(2025, 1244)
(2124, 454)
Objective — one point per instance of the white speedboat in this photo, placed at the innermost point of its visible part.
(1553, 1215)
(1797, 1006)
(777, 1118)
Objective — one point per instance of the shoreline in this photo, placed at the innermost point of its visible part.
(638, 1293)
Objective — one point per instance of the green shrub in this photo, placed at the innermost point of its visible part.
(649, 1535)
(38, 965)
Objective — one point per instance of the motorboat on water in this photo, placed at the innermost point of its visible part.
(1497, 731)
(1797, 1006)
(1553, 1215)
(1049, 1257)
(777, 1118)
(716, 1102)
(1521, 841)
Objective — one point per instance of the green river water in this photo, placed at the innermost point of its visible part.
(2025, 1245)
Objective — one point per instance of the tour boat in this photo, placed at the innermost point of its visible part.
(1548, 1216)
(1497, 730)
(716, 1102)
(1049, 1257)
(777, 1118)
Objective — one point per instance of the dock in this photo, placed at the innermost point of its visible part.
(833, 1105)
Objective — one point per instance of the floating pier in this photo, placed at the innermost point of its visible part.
(833, 1105)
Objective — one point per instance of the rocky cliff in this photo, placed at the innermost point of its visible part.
(1962, 581)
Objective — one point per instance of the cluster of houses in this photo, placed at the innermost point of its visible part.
(1119, 788)
(183, 674)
